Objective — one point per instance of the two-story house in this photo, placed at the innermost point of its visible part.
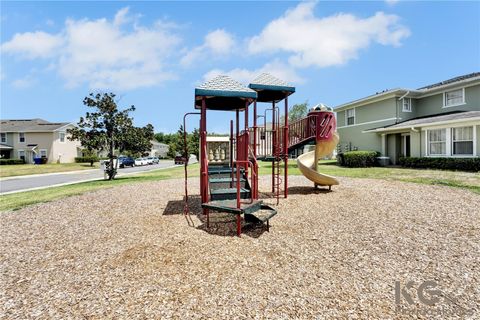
(439, 120)
(36, 138)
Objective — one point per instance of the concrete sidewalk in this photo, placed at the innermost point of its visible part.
(48, 180)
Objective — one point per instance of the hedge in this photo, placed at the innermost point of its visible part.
(11, 161)
(86, 159)
(357, 159)
(461, 164)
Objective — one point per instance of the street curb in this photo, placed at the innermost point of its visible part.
(82, 181)
(46, 174)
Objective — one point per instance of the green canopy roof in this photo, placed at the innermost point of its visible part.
(223, 93)
(270, 88)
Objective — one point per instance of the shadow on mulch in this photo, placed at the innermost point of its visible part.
(221, 224)
(308, 190)
(225, 225)
(177, 206)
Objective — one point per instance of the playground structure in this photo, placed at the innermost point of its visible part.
(233, 187)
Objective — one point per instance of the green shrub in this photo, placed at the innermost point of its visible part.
(460, 164)
(11, 161)
(340, 159)
(358, 159)
(86, 159)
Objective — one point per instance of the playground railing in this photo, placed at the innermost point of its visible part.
(253, 178)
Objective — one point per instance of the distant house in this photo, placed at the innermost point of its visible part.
(32, 138)
(158, 149)
(439, 120)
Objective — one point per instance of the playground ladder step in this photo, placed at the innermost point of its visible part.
(225, 180)
(230, 206)
(229, 193)
(221, 170)
(263, 214)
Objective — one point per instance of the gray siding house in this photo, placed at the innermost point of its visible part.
(439, 120)
(36, 138)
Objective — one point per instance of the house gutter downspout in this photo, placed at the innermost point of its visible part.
(413, 129)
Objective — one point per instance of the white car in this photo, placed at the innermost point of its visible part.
(141, 161)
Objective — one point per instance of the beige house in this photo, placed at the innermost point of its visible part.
(158, 149)
(37, 138)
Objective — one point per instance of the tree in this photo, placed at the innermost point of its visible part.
(107, 128)
(138, 141)
(295, 112)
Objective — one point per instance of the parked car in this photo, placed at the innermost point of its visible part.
(126, 162)
(153, 160)
(141, 161)
(180, 160)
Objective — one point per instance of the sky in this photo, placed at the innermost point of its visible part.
(152, 54)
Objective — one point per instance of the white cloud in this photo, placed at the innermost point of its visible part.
(217, 43)
(24, 83)
(275, 68)
(32, 45)
(105, 54)
(327, 41)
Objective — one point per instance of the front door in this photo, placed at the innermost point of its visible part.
(406, 146)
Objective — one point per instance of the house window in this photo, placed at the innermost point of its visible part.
(43, 153)
(3, 137)
(21, 154)
(454, 98)
(350, 116)
(21, 137)
(62, 136)
(407, 105)
(462, 141)
(437, 142)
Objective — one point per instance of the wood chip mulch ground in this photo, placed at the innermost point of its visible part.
(128, 252)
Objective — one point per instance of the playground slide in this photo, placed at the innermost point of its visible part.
(307, 162)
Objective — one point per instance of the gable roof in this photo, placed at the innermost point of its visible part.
(30, 125)
(270, 88)
(456, 116)
(223, 93)
(417, 93)
(452, 80)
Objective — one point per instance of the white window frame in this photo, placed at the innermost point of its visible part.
(473, 142)
(449, 137)
(60, 137)
(24, 154)
(447, 145)
(3, 137)
(409, 104)
(40, 152)
(24, 137)
(453, 105)
(354, 117)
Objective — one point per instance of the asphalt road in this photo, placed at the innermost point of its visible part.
(16, 184)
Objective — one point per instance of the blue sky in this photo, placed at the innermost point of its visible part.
(153, 54)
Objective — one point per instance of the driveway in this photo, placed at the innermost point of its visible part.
(22, 183)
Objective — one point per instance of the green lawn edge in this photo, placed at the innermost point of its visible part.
(462, 180)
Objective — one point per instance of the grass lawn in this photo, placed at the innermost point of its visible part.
(464, 180)
(26, 169)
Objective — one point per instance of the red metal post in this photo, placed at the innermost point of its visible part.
(185, 208)
(247, 137)
(255, 129)
(231, 151)
(237, 133)
(274, 141)
(285, 148)
(203, 164)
